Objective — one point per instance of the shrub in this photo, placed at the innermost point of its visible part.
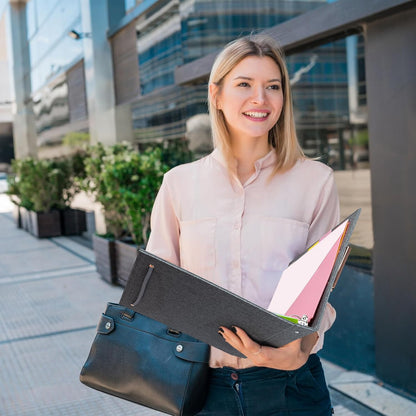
(138, 178)
(94, 185)
(125, 182)
(43, 185)
(37, 183)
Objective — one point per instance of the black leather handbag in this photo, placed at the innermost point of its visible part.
(139, 359)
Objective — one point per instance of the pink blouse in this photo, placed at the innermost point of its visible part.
(242, 237)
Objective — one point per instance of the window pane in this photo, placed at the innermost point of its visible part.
(329, 95)
(51, 49)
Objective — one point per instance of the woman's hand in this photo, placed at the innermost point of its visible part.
(289, 357)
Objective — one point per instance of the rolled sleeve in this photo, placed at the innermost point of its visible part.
(164, 236)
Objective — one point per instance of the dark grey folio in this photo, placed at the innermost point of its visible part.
(197, 307)
(139, 359)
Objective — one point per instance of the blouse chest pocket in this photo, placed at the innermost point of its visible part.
(197, 245)
(282, 240)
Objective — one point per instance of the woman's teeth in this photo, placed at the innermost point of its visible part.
(255, 114)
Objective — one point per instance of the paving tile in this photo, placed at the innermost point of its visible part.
(25, 277)
(6, 205)
(377, 398)
(51, 305)
(34, 261)
(347, 377)
(343, 411)
(44, 380)
(331, 370)
(74, 248)
(343, 404)
(19, 241)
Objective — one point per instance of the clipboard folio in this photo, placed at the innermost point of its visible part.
(197, 307)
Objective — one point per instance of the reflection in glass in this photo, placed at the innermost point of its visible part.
(163, 116)
(50, 105)
(329, 103)
(329, 97)
(187, 30)
(50, 48)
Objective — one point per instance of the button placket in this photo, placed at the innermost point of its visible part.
(236, 221)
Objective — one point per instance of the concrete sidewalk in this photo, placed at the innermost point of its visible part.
(51, 300)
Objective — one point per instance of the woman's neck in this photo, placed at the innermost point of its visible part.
(246, 155)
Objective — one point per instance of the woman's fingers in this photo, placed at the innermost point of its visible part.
(231, 337)
(287, 357)
(250, 346)
(240, 341)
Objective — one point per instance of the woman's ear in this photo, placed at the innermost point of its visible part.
(213, 95)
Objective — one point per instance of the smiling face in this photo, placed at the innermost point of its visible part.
(251, 98)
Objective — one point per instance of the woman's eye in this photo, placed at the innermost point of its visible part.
(274, 87)
(243, 84)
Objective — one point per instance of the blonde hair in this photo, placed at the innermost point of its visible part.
(283, 135)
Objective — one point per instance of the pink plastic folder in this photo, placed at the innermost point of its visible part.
(303, 282)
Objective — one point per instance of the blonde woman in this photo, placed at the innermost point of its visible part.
(239, 216)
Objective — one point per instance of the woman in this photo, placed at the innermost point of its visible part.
(239, 216)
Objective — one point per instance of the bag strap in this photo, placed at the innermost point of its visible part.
(144, 285)
(143, 289)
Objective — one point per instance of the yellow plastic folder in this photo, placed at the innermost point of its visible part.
(195, 306)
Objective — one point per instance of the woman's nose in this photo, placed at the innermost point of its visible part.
(258, 96)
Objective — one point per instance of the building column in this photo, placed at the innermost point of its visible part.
(24, 130)
(106, 123)
(391, 94)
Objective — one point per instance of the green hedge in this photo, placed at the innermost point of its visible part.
(44, 185)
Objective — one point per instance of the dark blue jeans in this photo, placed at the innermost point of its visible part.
(260, 391)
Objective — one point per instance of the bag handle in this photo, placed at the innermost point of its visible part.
(143, 289)
(144, 285)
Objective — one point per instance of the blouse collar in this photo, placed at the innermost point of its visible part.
(266, 161)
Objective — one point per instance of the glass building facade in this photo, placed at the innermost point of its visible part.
(327, 100)
(178, 32)
(51, 49)
(328, 81)
(51, 53)
(328, 84)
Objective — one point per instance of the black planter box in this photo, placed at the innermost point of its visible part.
(73, 221)
(16, 216)
(105, 258)
(25, 220)
(126, 253)
(44, 224)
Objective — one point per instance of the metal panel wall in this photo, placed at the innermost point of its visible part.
(76, 92)
(391, 92)
(126, 66)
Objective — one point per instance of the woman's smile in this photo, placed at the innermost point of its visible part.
(256, 115)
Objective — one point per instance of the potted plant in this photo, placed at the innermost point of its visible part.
(125, 182)
(92, 183)
(73, 220)
(36, 183)
(15, 197)
(132, 180)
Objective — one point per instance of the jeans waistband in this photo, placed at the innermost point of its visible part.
(261, 373)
